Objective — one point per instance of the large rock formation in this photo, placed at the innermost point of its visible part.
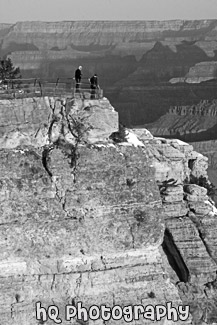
(33, 43)
(85, 219)
(60, 35)
(78, 224)
(202, 71)
(28, 121)
(190, 122)
(209, 149)
(190, 222)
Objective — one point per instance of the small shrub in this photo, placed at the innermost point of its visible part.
(151, 295)
(130, 182)
(119, 136)
(8, 71)
(165, 184)
(203, 182)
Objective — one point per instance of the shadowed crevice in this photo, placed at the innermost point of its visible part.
(45, 159)
(174, 257)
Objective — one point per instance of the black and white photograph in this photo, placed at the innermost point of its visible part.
(108, 162)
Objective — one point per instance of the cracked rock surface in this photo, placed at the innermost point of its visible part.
(83, 219)
(96, 240)
(190, 222)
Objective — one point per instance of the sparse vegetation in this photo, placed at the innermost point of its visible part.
(8, 71)
(165, 184)
(130, 182)
(203, 182)
(78, 127)
(119, 136)
(151, 295)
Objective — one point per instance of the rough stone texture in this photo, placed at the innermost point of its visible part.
(79, 222)
(171, 159)
(209, 149)
(143, 134)
(27, 121)
(190, 220)
(104, 223)
(24, 121)
(95, 240)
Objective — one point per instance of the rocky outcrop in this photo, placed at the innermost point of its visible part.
(27, 121)
(86, 219)
(190, 222)
(80, 221)
(82, 234)
(202, 71)
(187, 122)
(209, 149)
(203, 108)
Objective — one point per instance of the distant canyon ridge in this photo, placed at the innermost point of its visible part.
(144, 67)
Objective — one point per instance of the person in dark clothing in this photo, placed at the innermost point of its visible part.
(78, 75)
(93, 85)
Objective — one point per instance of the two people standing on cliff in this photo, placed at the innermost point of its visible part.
(94, 86)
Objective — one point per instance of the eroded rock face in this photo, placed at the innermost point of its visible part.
(51, 35)
(190, 222)
(82, 234)
(190, 122)
(37, 121)
(84, 219)
(202, 71)
(79, 221)
(209, 149)
(90, 233)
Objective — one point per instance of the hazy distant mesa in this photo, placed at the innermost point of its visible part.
(126, 55)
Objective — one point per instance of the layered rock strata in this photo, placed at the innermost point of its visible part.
(80, 221)
(85, 219)
(33, 44)
(184, 121)
(47, 35)
(201, 72)
(209, 149)
(203, 108)
(190, 225)
(134, 59)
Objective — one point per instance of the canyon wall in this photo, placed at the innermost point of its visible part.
(76, 225)
(181, 43)
(81, 234)
(84, 218)
(202, 71)
(128, 56)
(191, 122)
(47, 35)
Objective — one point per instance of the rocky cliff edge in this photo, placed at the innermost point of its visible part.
(84, 218)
